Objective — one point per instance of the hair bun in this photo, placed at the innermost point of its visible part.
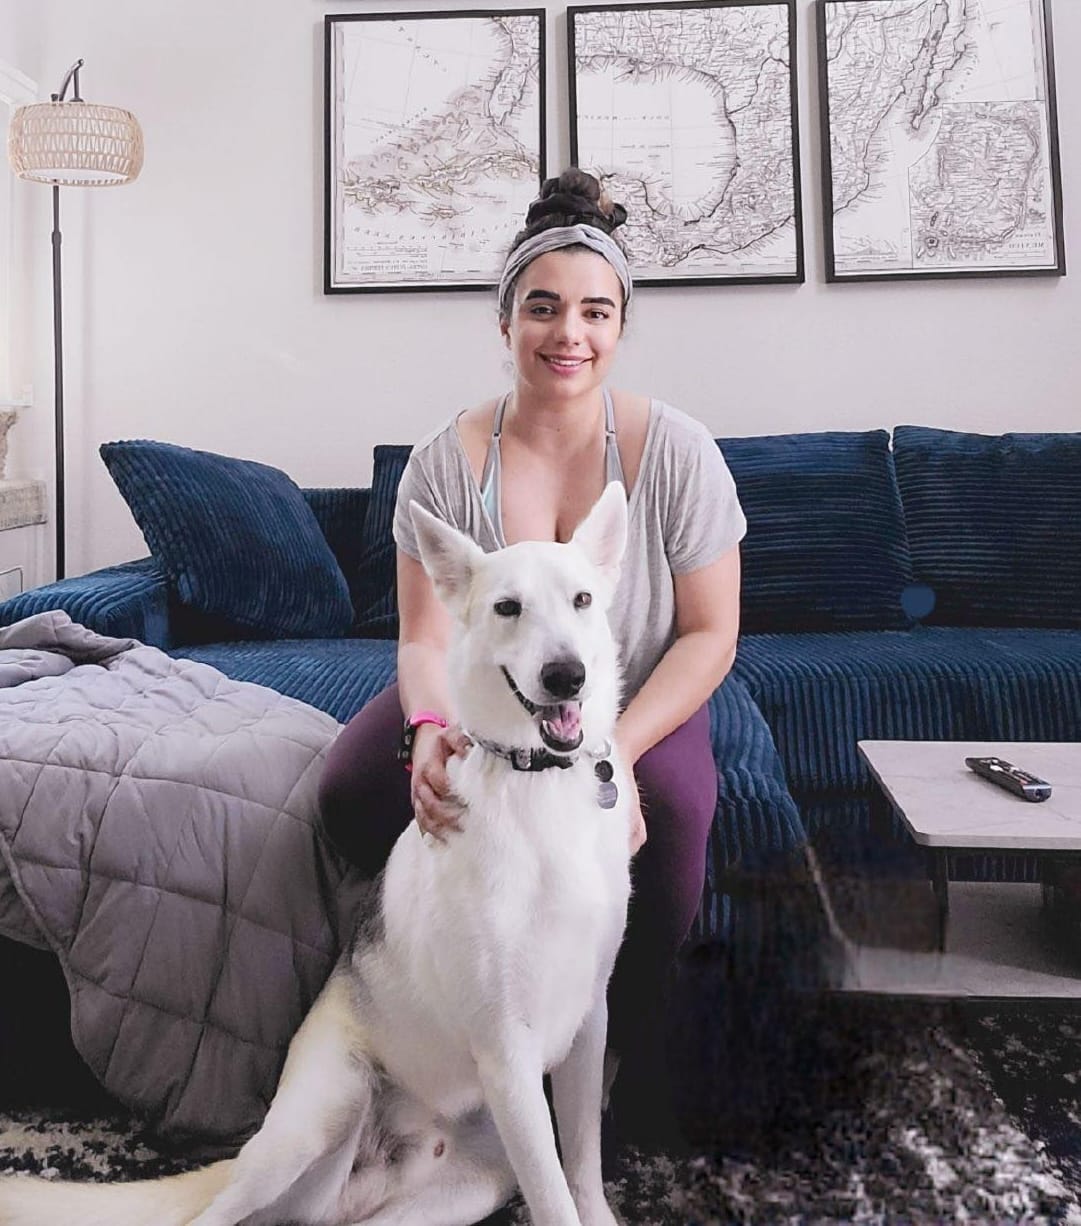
(574, 198)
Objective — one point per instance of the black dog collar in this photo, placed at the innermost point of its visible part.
(526, 759)
(541, 759)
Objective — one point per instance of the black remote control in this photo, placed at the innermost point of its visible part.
(1010, 777)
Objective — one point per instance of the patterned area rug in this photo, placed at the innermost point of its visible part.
(896, 1113)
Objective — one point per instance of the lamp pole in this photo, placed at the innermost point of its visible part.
(58, 385)
(75, 144)
(58, 346)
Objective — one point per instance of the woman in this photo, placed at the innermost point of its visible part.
(528, 466)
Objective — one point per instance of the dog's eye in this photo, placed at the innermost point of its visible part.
(508, 608)
(583, 600)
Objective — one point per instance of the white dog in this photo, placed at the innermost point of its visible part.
(413, 1093)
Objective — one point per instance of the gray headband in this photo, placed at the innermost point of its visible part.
(552, 240)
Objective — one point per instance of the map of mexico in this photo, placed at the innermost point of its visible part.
(687, 115)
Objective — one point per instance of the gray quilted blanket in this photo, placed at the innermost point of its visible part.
(157, 832)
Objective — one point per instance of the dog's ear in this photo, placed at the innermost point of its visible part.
(449, 557)
(603, 532)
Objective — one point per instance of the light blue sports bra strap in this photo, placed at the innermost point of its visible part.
(613, 465)
(490, 482)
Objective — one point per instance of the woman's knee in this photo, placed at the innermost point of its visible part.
(677, 780)
(337, 801)
(679, 800)
(363, 793)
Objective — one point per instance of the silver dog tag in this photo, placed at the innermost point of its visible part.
(607, 793)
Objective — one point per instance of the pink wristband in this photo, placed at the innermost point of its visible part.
(409, 733)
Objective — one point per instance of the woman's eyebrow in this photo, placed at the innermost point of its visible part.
(552, 296)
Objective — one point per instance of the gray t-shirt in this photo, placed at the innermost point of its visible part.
(683, 514)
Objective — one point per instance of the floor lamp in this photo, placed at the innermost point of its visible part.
(71, 144)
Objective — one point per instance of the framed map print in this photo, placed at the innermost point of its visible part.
(434, 146)
(687, 114)
(939, 139)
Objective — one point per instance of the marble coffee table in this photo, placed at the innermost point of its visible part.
(991, 938)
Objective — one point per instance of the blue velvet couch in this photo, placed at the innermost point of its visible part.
(924, 586)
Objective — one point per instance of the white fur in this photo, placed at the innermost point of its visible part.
(412, 1094)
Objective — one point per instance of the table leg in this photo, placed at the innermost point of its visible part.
(941, 883)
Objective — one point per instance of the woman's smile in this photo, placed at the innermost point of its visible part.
(564, 364)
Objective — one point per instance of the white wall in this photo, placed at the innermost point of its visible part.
(197, 315)
(20, 50)
(25, 552)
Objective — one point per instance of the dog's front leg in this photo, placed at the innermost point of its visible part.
(512, 1077)
(576, 1094)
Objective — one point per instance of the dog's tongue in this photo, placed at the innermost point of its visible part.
(562, 721)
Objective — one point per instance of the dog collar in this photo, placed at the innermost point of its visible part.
(526, 759)
(542, 759)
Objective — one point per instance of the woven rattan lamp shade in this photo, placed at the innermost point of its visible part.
(75, 144)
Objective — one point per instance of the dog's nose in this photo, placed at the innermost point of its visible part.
(563, 678)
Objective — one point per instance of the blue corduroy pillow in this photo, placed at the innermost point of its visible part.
(994, 524)
(376, 582)
(825, 547)
(237, 539)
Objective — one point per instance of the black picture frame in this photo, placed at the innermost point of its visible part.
(859, 264)
(395, 255)
(727, 267)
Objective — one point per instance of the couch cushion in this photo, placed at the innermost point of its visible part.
(755, 897)
(335, 675)
(825, 547)
(340, 514)
(994, 524)
(125, 601)
(236, 539)
(821, 693)
(758, 819)
(377, 611)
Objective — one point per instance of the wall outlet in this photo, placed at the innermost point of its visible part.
(11, 582)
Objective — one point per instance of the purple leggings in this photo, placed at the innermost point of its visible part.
(365, 805)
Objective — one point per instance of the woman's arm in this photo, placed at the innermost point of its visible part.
(424, 632)
(423, 635)
(707, 623)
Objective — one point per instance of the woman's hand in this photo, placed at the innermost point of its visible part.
(638, 822)
(435, 806)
